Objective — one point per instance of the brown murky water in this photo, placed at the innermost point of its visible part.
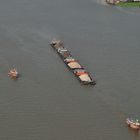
(47, 101)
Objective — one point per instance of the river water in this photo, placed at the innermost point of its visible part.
(47, 102)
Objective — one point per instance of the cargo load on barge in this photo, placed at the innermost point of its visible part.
(74, 65)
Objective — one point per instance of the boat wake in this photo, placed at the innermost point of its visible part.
(130, 11)
(112, 104)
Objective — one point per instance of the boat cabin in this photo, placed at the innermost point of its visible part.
(13, 73)
(56, 44)
(69, 59)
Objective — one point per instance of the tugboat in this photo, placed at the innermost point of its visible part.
(57, 44)
(13, 73)
(133, 123)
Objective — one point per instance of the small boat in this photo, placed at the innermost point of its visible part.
(57, 44)
(133, 123)
(112, 2)
(13, 73)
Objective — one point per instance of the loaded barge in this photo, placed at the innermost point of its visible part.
(74, 65)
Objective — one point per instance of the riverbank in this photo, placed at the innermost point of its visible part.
(128, 4)
(124, 3)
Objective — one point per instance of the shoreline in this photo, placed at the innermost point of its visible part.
(123, 3)
(128, 4)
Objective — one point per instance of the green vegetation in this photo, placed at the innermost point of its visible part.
(129, 4)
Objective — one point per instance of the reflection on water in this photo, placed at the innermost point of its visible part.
(133, 132)
(135, 11)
